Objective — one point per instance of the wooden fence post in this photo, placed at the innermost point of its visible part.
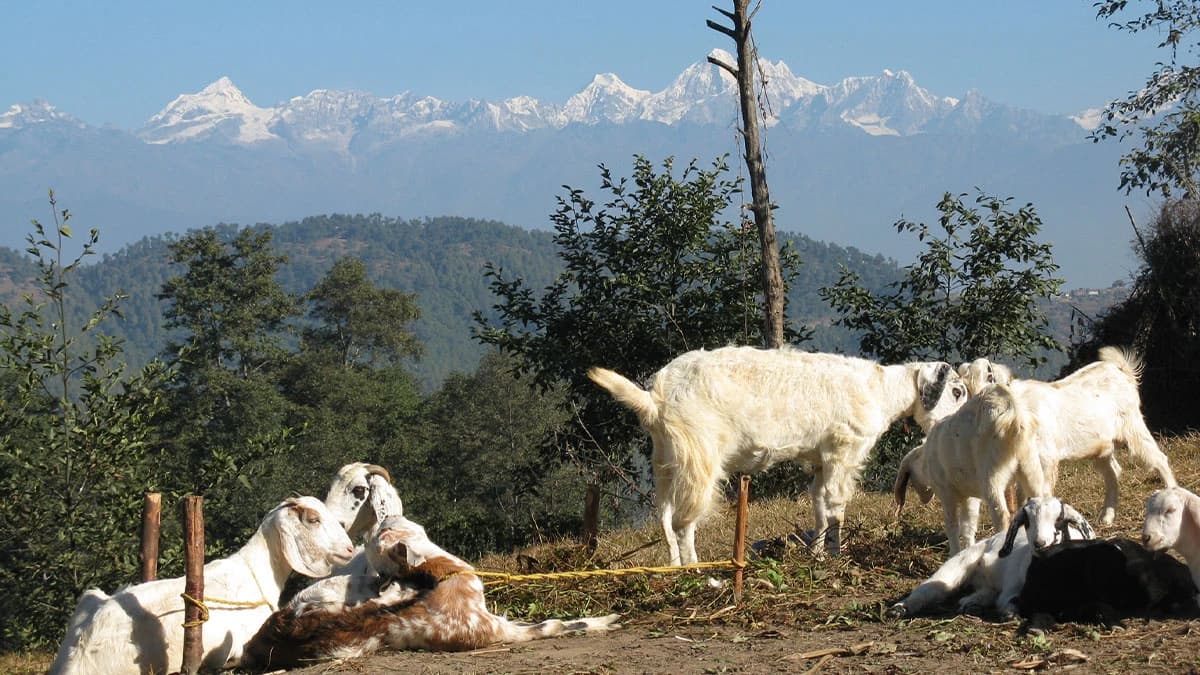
(591, 518)
(193, 558)
(739, 537)
(151, 517)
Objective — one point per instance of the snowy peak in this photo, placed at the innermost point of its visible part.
(219, 111)
(350, 122)
(39, 112)
(606, 99)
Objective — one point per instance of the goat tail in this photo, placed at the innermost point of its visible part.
(627, 393)
(904, 478)
(1126, 359)
(900, 489)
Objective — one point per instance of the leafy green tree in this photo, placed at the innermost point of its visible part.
(77, 448)
(359, 322)
(1166, 111)
(229, 421)
(973, 292)
(486, 472)
(227, 302)
(350, 393)
(1161, 319)
(651, 273)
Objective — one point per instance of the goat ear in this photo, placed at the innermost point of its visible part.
(384, 499)
(1020, 520)
(296, 547)
(1072, 517)
(931, 386)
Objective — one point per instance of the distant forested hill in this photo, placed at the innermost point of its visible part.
(439, 259)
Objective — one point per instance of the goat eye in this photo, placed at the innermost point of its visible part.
(359, 491)
(313, 519)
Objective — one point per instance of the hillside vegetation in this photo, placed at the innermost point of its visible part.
(441, 260)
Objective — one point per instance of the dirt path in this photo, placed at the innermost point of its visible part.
(952, 645)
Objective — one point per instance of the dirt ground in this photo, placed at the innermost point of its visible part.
(952, 645)
(801, 614)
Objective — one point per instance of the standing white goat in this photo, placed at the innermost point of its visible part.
(981, 373)
(743, 409)
(995, 568)
(1088, 415)
(139, 629)
(1173, 521)
(974, 453)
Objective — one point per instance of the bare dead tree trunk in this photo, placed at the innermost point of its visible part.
(772, 275)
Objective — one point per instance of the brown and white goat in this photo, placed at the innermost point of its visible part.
(428, 599)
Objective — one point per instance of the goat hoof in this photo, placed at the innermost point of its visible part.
(897, 611)
(1107, 516)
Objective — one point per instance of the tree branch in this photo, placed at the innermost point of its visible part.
(730, 15)
(718, 62)
(722, 29)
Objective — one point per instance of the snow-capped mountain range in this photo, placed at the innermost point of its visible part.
(891, 103)
(846, 160)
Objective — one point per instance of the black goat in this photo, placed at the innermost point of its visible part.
(1104, 581)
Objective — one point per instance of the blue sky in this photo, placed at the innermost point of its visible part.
(120, 62)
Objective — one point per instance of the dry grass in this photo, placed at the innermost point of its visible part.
(824, 602)
(883, 558)
(36, 663)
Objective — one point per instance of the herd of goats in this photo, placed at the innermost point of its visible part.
(711, 414)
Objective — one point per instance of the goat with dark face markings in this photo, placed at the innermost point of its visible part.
(1105, 581)
(994, 569)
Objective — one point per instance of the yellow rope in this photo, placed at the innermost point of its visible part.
(502, 577)
(203, 605)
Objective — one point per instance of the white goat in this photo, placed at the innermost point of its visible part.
(359, 580)
(1173, 521)
(350, 492)
(742, 410)
(1088, 415)
(974, 453)
(995, 568)
(360, 495)
(139, 629)
(430, 599)
(982, 373)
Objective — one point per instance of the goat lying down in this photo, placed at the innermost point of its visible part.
(361, 495)
(428, 599)
(743, 409)
(139, 629)
(994, 569)
(1172, 521)
(1104, 581)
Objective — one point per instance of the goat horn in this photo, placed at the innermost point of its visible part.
(375, 469)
